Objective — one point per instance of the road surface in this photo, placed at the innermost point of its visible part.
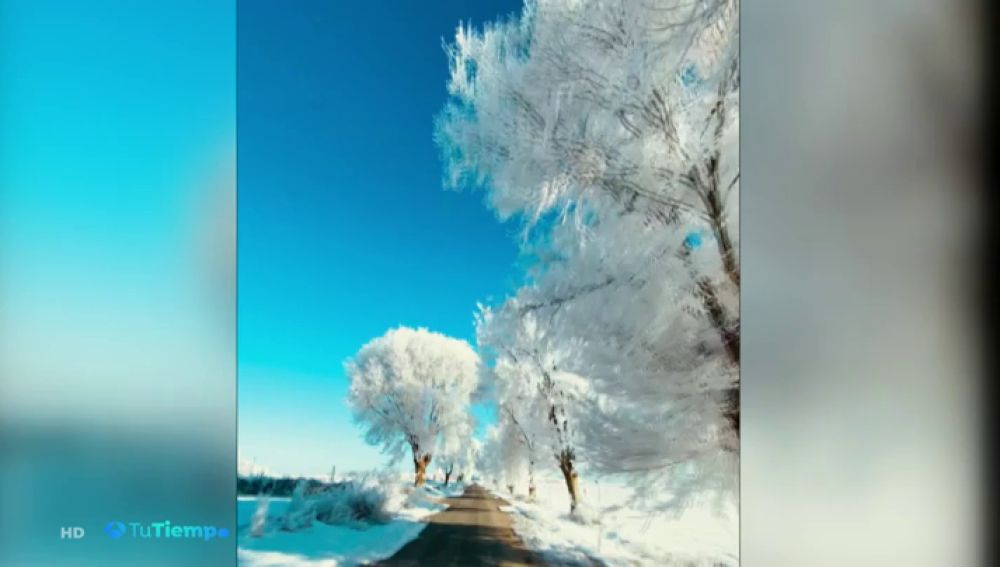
(471, 532)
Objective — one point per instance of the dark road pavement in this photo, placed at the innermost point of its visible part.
(471, 532)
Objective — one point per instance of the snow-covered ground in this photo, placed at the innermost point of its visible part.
(616, 535)
(324, 545)
(613, 534)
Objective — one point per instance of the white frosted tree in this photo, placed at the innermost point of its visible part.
(489, 463)
(410, 391)
(659, 404)
(519, 428)
(519, 410)
(610, 130)
(504, 459)
(456, 447)
(465, 463)
(537, 399)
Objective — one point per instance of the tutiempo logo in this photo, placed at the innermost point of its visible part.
(115, 530)
(163, 530)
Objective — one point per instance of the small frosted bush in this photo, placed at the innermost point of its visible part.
(352, 503)
(258, 524)
(301, 510)
(357, 502)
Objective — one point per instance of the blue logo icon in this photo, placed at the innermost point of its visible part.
(693, 240)
(115, 530)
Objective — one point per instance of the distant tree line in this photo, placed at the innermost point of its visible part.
(270, 486)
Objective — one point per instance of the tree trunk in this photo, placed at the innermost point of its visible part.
(714, 207)
(719, 319)
(731, 344)
(729, 332)
(732, 411)
(420, 468)
(447, 474)
(531, 480)
(571, 478)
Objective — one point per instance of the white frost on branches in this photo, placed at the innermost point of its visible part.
(504, 459)
(457, 449)
(610, 131)
(537, 398)
(410, 390)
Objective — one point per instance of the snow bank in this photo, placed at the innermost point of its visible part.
(613, 534)
(371, 519)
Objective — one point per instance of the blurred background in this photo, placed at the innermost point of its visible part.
(860, 217)
(117, 278)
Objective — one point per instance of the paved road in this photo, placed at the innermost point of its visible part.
(471, 532)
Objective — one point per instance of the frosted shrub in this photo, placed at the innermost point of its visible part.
(259, 521)
(353, 503)
(356, 503)
(301, 510)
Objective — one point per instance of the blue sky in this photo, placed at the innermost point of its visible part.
(117, 140)
(345, 229)
(72, 107)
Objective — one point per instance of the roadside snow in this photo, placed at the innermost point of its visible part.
(323, 545)
(615, 535)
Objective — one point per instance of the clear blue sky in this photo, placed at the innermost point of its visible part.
(117, 131)
(345, 229)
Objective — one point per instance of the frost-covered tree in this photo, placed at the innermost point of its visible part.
(456, 447)
(657, 408)
(503, 459)
(610, 130)
(518, 429)
(465, 463)
(520, 410)
(537, 397)
(589, 108)
(488, 462)
(410, 389)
